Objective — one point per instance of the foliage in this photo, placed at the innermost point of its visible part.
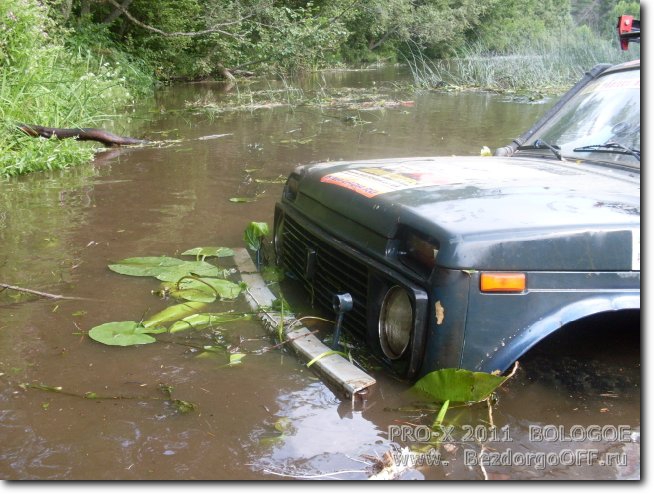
(173, 313)
(163, 268)
(436, 26)
(183, 316)
(183, 282)
(207, 320)
(125, 333)
(196, 289)
(254, 234)
(198, 38)
(551, 63)
(519, 22)
(601, 16)
(45, 81)
(458, 385)
(204, 252)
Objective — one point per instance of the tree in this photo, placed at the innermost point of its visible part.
(513, 22)
(602, 15)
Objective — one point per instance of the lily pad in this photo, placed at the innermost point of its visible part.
(203, 289)
(209, 252)
(124, 333)
(206, 320)
(163, 268)
(458, 385)
(173, 313)
(198, 268)
(144, 266)
(201, 294)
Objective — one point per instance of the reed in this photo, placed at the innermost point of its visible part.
(549, 64)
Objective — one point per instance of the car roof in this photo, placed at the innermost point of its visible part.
(633, 64)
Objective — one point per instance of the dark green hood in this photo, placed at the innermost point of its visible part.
(488, 212)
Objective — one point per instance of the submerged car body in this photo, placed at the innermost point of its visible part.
(469, 262)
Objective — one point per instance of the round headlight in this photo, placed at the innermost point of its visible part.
(395, 322)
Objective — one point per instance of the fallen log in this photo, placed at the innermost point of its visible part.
(81, 134)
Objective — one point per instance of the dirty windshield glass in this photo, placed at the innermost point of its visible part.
(601, 122)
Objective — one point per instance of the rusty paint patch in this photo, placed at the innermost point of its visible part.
(440, 312)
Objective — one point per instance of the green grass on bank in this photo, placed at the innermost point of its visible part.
(44, 81)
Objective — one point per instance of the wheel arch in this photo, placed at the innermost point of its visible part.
(529, 337)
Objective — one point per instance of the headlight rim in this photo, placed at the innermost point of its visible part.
(383, 328)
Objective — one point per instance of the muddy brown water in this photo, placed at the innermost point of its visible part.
(567, 414)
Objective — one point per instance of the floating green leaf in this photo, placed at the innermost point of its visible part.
(458, 385)
(163, 268)
(201, 294)
(188, 268)
(166, 389)
(144, 266)
(209, 252)
(184, 406)
(225, 289)
(282, 427)
(236, 358)
(124, 333)
(174, 313)
(206, 320)
(203, 289)
(254, 233)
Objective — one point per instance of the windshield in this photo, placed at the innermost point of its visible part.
(601, 122)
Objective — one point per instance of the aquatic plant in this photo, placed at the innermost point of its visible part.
(547, 64)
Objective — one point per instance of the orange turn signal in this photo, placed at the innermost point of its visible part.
(503, 282)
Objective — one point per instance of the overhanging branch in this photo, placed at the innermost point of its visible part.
(216, 29)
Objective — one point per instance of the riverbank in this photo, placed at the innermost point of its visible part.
(73, 70)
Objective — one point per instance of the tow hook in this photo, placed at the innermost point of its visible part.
(342, 303)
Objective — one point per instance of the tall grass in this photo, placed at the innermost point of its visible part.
(45, 82)
(549, 64)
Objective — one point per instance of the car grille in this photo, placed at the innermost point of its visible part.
(334, 272)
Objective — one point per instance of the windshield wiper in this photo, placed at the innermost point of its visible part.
(610, 147)
(540, 144)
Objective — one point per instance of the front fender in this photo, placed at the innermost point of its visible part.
(501, 357)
